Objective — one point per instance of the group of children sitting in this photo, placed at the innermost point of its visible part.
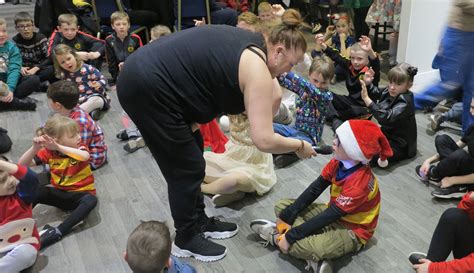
(72, 143)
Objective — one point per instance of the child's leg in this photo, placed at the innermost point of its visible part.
(454, 232)
(129, 126)
(19, 258)
(454, 114)
(81, 203)
(458, 162)
(26, 86)
(332, 242)
(93, 103)
(228, 184)
(445, 145)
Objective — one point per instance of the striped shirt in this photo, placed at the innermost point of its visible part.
(357, 195)
(67, 173)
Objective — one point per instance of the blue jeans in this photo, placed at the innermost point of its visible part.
(455, 67)
(288, 131)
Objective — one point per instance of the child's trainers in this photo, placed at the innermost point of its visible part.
(415, 257)
(122, 135)
(456, 191)
(49, 235)
(322, 266)
(217, 229)
(134, 144)
(266, 230)
(429, 178)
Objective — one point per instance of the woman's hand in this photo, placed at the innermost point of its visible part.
(306, 151)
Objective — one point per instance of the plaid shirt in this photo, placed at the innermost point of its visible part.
(91, 135)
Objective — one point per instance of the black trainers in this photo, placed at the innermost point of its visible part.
(457, 191)
(266, 230)
(25, 104)
(122, 135)
(200, 248)
(220, 200)
(283, 160)
(322, 266)
(217, 229)
(49, 235)
(415, 257)
(428, 178)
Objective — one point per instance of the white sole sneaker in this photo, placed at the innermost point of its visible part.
(183, 253)
(263, 228)
(220, 200)
(219, 235)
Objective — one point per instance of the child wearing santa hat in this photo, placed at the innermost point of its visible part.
(318, 233)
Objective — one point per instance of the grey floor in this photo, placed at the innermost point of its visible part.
(131, 188)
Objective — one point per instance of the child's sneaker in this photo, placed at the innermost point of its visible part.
(435, 121)
(217, 229)
(322, 266)
(283, 160)
(200, 248)
(429, 178)
(457, 191)
(49, 235)
(122, 135)
(266, 230)
(96, 114)
(221, 200)
(134, 144)
(415, 257)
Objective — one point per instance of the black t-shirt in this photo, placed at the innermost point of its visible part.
(468, 138)
(193, 72)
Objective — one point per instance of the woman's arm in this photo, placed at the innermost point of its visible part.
(257, 85)
(277, 94)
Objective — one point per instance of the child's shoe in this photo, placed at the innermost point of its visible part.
(266, 230)
(122, 135)
(435, 121)
(415, 257)
(49, 235)
(456, 191)
(322, 266)
(283, 160)
(217, 229)
(429, 178)
(221, 200)
(96, 114)
(134, 144)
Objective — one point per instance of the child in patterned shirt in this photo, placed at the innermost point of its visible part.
(92, 84)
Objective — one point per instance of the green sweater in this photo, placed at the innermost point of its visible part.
(10, 64)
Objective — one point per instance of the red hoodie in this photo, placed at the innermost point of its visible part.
(465, 264)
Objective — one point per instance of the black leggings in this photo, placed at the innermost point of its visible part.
(454, 232)
(454, 161)
(81, 204)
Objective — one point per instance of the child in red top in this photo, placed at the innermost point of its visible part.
(19, 239)
(319, 232)
(59, 145)
(454, 233)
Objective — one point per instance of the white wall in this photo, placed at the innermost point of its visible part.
(422, 24)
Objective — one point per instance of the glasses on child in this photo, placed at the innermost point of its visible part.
(24, 26)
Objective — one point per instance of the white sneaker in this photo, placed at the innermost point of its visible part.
(323, 266)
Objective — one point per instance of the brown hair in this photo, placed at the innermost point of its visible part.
(288, 31)
(119, 15)
(149, 247)
(402, 73)
(159, 31)
(22, 16)
(249, 18)
(67, 18)
(58, 126)
(64, 92)
(63, 49)
(323, 65)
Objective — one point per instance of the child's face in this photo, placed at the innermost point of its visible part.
(339, 152)
(265, 15)
(68, 31)
(121, 27)
(67, 62)
(395, 89)
(3, 34)
(68, 140)
(318, 80)
(25, 28)
(342, 26)
(8, 187)
(359, 59)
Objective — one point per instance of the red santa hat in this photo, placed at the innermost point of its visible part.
(363, 139)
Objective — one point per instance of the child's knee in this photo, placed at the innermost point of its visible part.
(282, 204)
(89, 200)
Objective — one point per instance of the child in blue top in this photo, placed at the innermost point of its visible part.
(91, 83)
(149, 250)
(312, 105)
(10, 66)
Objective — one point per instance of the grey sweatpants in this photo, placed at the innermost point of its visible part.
(17, 259)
